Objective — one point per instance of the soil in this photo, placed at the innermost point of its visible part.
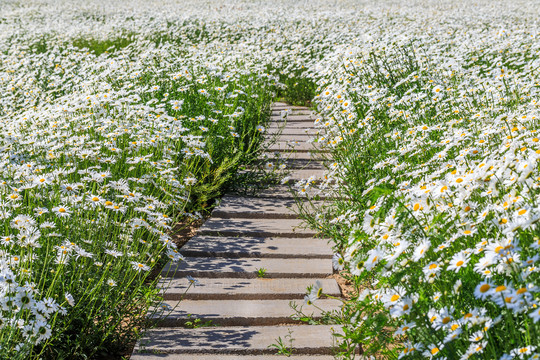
(346, 287)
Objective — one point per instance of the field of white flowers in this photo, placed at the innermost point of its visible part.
(118, 119)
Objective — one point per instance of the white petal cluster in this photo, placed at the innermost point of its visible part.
(436, 122)
(110, 111)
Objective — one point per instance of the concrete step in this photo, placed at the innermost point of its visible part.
(243, 246)
(294, 145)
(293, 117)
(243, 289)
(241, 312)
(282, 192)
(285, 106)
(239, 340)
(311, 131)
(295, 137)
(249, 207)
(290, 163)
(152, 356)
(248, 268)
(292, 132)
(316, 175)
(292, 125)
(299, 111)
(300, 136)
(256, 227)
(300, 155)
(285, 192)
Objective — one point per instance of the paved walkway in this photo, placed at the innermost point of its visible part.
(243, 235)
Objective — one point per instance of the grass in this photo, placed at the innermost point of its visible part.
(98, 47)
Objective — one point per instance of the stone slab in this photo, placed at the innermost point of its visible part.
(256, 227)
(244, 289)
(243, 246)
(289, 139)
(248, 268)
(293, 145)
(306, 129)
(227, 357)
(303, 163)
(299, 110)
(301, 155)
(303, 136)
(291, 125)
(296, 155)
(308, 163)
(254, 340)
(302, 117)
(286, 192)
(250, 207)
(231, 205)
(288, 131)
(242, 312)
(303, 174)
(281, 106)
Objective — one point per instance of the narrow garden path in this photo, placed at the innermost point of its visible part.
(245, 237)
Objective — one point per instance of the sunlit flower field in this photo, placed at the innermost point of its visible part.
(120, 119)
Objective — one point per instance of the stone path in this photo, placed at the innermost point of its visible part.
(244, 235)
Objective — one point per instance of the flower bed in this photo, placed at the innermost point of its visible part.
(118, 119)
(433, 130)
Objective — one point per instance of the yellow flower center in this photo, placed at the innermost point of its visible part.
(485, 288)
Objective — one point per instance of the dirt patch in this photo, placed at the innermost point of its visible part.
(345, 286)
(185, 230)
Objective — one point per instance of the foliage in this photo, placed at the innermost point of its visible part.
(284, 346)
(119, 118)
(436, 172)
(261, 273)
